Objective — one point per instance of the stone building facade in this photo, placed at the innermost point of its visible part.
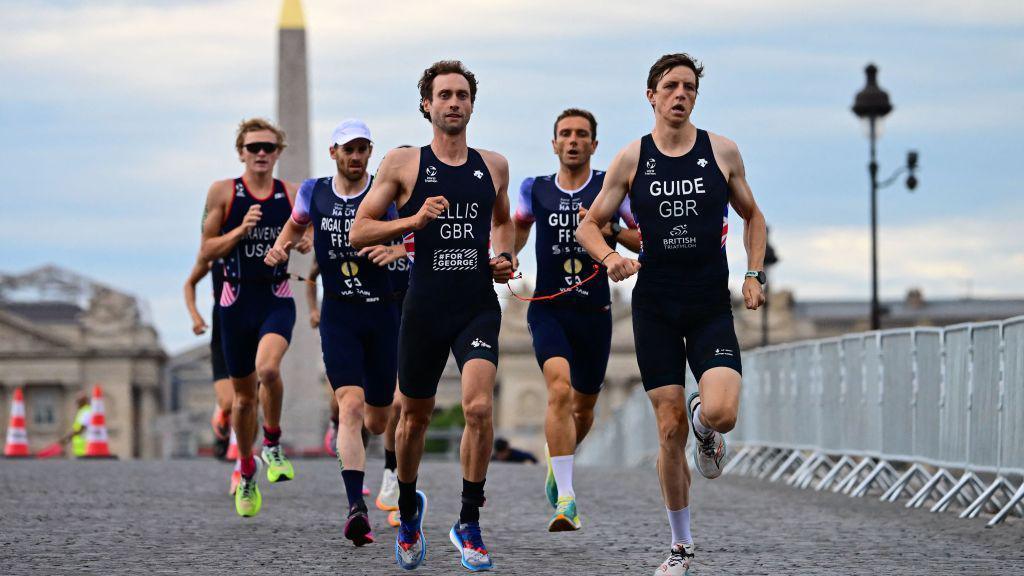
(60, 334)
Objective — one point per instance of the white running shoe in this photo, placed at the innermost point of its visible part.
(708, 451)
(387, 498)
(678, 562)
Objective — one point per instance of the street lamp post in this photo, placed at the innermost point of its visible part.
(872, 104)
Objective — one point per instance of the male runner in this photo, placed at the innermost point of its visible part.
(455, 198)
(257, 311)
(221, 419)
(358, 318)
(572, 333)
(681, 181)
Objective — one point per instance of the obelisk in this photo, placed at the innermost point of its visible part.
(305, 399)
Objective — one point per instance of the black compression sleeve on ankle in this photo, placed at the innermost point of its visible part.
(472, 500)
(407, 500)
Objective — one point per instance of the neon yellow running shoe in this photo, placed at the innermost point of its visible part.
(279, 469)
(566, 519)
(247, 498)
(550, 486)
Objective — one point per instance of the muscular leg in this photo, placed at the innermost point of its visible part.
(582, 413)
(350, 424)
(243, 413)
(394, 413)
(669, 405)
(224, 391)
(560, 428)
(477, 405)
(719, 398)
(268, 368)
(376, 419)
(411, 434)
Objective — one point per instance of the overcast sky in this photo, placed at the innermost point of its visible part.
(117, 116)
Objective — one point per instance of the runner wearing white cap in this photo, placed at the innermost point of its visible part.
(358, 317)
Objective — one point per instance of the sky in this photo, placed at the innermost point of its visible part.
(117, 116)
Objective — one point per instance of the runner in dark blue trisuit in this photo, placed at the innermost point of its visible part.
(680, 181)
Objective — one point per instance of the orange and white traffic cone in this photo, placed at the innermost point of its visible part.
(17, 438)
(232, 447)
(97, 445)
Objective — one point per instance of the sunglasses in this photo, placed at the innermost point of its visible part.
(257, 147)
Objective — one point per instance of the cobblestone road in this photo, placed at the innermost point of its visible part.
(176, 518)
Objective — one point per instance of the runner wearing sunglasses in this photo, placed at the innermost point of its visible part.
(572, 333)
(244, 216)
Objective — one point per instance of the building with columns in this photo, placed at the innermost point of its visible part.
(61, 334)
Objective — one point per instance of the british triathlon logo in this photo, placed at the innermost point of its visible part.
(479, 174)
(679, 238)
(478, 343)
(650, 167)
(431, 175)
(678, 230)
(702, 162)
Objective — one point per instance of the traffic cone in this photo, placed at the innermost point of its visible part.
(96, 435)
(236, 476)
(17, 438)
(232, 447)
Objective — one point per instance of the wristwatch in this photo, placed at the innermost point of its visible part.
(615, 230)
(759, 274)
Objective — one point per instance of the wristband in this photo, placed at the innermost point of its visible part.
(506, 256)
(606, 256)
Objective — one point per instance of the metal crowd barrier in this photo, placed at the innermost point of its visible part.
(935, 416)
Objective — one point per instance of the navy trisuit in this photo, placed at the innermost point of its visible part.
(256, 299)
(358, 317)
(576, 325)
(451, 304)
(681, 305)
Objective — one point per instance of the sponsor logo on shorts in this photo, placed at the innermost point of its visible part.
(431, 174)
(702, 162)
(723, 352)
(478, 343)
(650, 167)
(456, 259)
(479, 174)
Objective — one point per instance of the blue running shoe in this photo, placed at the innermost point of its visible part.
(411, 542)
(470, 544)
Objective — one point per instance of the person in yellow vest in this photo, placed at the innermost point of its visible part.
(80, 426)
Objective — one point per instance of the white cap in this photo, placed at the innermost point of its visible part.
(350, 130)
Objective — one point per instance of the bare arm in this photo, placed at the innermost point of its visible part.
(522, 234)
(755, 231)
(311, 296)
(368, 229)
(630, 238)
(503, 231)
(216, 245)
(605, 206)
(291, 233)
(199, 270)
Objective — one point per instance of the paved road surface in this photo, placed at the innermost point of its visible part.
(175, 518)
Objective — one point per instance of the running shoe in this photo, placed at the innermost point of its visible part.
(678, 562)
(470, 544)
(247, 496)
(357, 527)
(387, 498)
(394, 519)
(411, 541)
(221, 433)
(279, 469)
(550, 485)
(566, 519)
(331, 439)
(708, 451)
(236, 477)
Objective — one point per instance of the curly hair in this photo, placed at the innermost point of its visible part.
(426, 83)
(255, 125)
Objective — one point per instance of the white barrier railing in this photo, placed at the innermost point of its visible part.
(936, 415)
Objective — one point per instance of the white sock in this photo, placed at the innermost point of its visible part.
(699, 426)
(562, 467)
(679, 520)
